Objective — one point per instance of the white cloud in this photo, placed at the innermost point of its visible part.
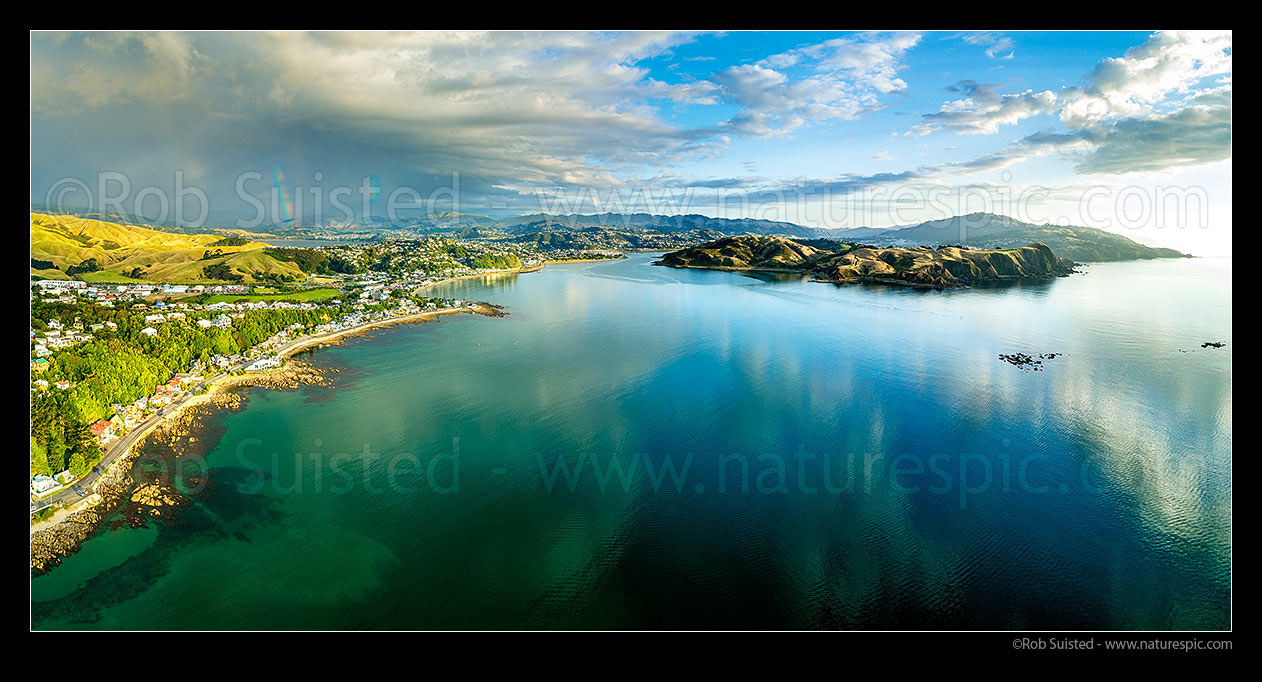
(837, 79)
(997, 45)
(1167, 66)
(1165, 103)
(983, 111)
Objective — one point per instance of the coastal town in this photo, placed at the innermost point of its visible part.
(182, 337)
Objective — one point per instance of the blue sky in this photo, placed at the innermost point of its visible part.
(1128, 131)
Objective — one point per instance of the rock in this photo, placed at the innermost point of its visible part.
(154, 495)
(1029, 363)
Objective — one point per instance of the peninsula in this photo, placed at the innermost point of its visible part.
(844, 262)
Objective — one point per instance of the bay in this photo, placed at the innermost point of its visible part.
(775, 453)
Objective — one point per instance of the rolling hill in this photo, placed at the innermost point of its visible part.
(97, 250)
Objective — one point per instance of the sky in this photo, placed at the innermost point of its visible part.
(1125, 131)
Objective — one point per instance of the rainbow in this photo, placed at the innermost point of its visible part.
(282, 194)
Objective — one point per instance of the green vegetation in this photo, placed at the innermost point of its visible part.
(89, 265)
(433, 256)
(308, 260)
(495, 261)
(221, 271)
(125, 365)
(60, 438)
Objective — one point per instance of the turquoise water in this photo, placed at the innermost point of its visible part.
(844, 457)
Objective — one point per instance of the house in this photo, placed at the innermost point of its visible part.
(103, 428)
(63, 385)
(42, 485)
(149, 331)
(38, 365)
(263, 364)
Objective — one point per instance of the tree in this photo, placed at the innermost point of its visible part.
(78, 467)
(39, 460)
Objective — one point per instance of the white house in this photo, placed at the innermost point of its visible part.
(42, 485)
(263, 364)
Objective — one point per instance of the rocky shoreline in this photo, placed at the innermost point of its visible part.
(179, 434)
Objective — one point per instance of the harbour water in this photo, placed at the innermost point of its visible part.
(643, 447)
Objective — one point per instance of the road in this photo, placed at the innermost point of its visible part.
(122, 445)
(118, 449)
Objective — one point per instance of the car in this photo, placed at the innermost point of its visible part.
(34, 509)
(78, 490)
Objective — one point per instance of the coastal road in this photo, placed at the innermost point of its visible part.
(121, 446)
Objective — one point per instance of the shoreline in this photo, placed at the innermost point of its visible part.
(518, 271)
(812, 277)
(62, 534)
(586, 260)
(303, 343)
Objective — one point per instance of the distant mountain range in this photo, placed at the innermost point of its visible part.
(990, 231)
(661, 223)
(978, 230)
(645, 231)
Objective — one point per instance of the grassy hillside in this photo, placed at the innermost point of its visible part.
(119, 250)
(310, 295)
(833, 261)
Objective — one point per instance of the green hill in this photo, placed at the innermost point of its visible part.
(97, 250)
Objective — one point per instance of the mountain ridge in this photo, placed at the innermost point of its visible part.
(978, 230)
